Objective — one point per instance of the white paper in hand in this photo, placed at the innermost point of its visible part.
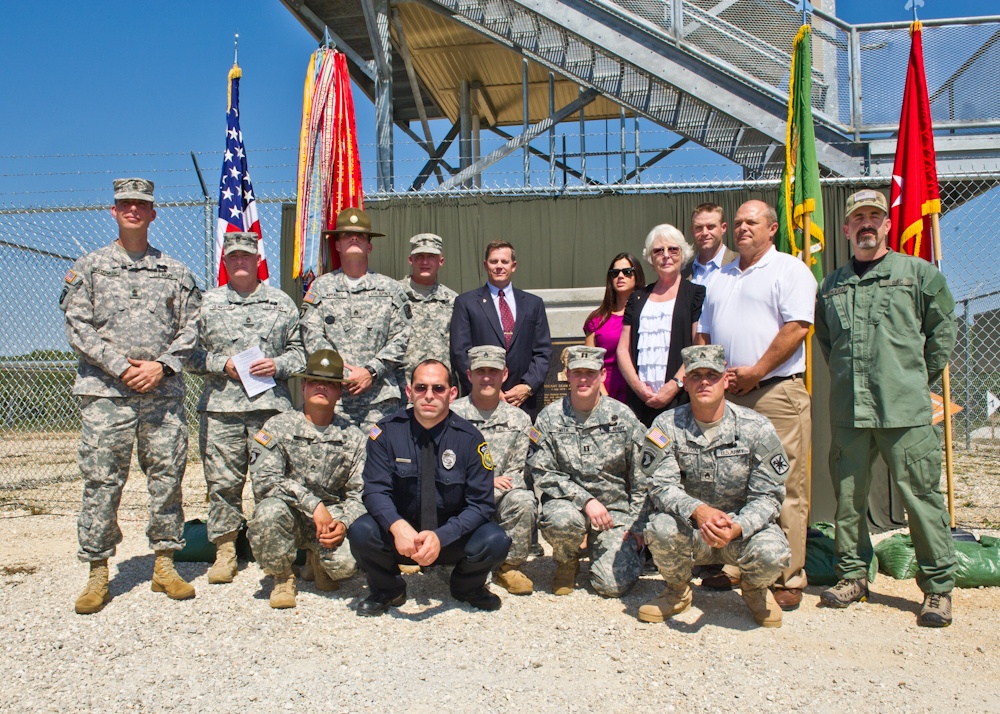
(253, 385)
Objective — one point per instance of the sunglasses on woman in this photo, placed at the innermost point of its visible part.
(613, 273)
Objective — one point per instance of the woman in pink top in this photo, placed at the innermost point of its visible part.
(603, 327)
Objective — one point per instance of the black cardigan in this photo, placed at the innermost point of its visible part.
(687, 310)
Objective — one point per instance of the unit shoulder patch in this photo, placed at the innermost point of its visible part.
(780, 464)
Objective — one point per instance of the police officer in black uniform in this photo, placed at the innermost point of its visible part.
(429, 494)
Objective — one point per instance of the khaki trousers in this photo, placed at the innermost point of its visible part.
(788, 405)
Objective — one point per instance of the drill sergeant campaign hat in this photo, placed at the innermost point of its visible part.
(135, 189)
(867, 197)
(583, 357)
(353, 220)
(325, 366)
(426, 243)
(235, 240)
(711, 357)
(487, 356)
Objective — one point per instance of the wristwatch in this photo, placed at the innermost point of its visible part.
(372, 372)
(679, 382)
(168, 371)
(531, 392)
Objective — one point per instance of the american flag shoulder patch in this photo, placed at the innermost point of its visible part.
(658, 438)
(534, 434)
(310, 297)
(374, 433)
(263, 438)
(70, 276)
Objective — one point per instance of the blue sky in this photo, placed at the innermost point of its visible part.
(119, 79)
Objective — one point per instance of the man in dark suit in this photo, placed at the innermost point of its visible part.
(707, 229)
(499, 314)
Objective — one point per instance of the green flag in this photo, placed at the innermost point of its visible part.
(800, 193)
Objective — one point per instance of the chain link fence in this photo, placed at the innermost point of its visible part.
(39, 419)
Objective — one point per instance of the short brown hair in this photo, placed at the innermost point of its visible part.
(497, 245)
(708, 208)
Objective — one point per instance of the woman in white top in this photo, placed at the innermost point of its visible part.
(660, 320)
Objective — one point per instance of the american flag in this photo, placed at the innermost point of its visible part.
(237, 204)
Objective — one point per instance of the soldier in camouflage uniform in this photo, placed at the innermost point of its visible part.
(242, 314)
(365, 317)
(716, 482)
(132, 317)
(431, 304)
(584, 458)
(505, 428)
(306, 473)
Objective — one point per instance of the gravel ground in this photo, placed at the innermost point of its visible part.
(226, 650)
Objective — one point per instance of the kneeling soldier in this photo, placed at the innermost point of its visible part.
(306, 472)
(505, 428)
(716, 482)
(585, 460)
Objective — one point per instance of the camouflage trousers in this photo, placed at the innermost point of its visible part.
(615, 564)
(677, 547)
(364, 414)
(277, 530)
(158, 426)
(222, 439)
(515, 513)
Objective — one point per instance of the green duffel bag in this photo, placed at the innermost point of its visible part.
(896, 557)
(197, 547)
(821, 557)
(978, 563)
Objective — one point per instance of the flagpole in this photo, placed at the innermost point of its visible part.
(949, 468)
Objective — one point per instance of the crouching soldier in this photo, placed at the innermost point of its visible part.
(306, 472)
(716, 482)
(585, 460)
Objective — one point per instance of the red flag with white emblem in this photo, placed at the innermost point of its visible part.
(914, 193)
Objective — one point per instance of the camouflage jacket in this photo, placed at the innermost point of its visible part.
(292, 460)
(597, 459)
(506, 433)
(741, 471)
(118, 308)
(368, 324)
(230, 324)
(431, 330)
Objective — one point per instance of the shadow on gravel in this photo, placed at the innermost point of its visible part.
(138, 571)
(876, 598)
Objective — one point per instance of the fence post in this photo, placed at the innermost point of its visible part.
(968, 370)
(209, 245)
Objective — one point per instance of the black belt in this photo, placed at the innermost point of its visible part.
(774, 380)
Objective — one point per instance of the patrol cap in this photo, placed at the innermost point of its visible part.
(583, 357)
(324, 365)
(711, 357)
(867, 197)
(487, 356)
(234, 241)
(136, 189)
(353, 220)
(426, 243)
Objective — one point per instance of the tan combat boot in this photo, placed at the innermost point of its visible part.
(324, 582)
(283, 594)
(308, 571)
(166, 580)
(95, 594)
(564, 580)
(224, 568)
(513, 580)
(674, 600)
(763, 606)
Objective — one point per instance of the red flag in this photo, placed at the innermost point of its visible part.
(237, 204)
(914, 192)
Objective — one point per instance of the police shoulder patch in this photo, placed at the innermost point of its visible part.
(780, 464)
(485, 455)
(658, 437)
(264, 439)
(374, 433)
(534, 434)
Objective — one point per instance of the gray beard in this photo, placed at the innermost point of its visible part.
(867, 243)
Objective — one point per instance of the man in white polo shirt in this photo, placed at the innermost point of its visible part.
(760, 309)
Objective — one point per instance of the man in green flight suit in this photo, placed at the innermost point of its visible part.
(886, 324)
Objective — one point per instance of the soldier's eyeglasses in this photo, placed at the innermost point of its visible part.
(613, 273)
(438, 389)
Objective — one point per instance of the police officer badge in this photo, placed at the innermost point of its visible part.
(448, 459)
